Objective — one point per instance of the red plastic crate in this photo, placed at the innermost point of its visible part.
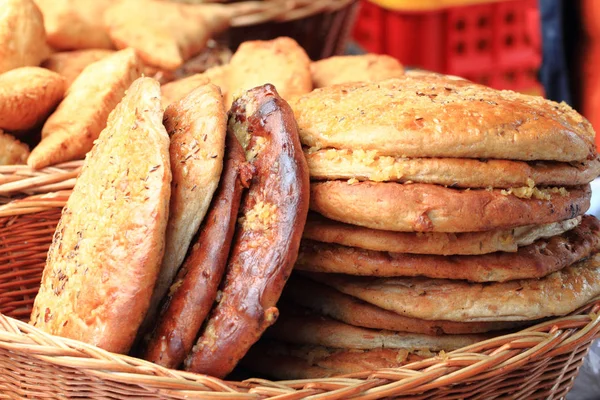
(496, 43)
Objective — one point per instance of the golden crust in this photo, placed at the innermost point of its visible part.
(357, 68)
(280, 62)
(321, 229)
(287, 361)
(165, 34)
(75, 24)
(70, 64)
(422, 207)
(22, 35)
(27, 96)
(329, 302)
(11, 150)
(176, 90)
(115, 218)
(197, 126)
(534, 261)
(301, 328)
(70, 131)
(334, 164)
(439, 117)
(556, 294)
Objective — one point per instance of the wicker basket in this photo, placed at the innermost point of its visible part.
(535, 363)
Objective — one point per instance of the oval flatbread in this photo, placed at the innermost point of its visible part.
(422, 207)
(556, 294)
(104, 259)
(355, 68)
(429, 116)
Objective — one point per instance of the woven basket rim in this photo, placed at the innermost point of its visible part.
(476, 362)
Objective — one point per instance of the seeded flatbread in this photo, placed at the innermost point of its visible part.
(556, 294)
(429, 116)
(104, 259)
(422, 207)
(321, 229)
(363, 165)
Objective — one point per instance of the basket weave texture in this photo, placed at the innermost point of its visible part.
(535, 363)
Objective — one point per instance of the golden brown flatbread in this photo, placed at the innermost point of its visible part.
(70, 131)
(280, 62)
(416, 116)
(324, 300)
(107, 249)
(197, 125)
(321, 229)
(293, 327)
(355, 68)
(27, 96)
(11, 150)
(70, 64)
(164, 33)
(22, 35)
(75, 24)
(556, 294)
(176, 90)
(533, 261)
(332, 164)
(422, 207)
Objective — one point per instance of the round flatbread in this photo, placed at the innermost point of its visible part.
(422, 207)
(363, 165)
(556, 294)
(321, 229)
(429, 116)
(108, 246)
(329, 302)
(354, 68)
(534, 261)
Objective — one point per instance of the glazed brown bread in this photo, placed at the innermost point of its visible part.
(194, 290)
(105, 255)
(433, 299)
(27, 96)
(288, 361)
(69, 133)
(332, 164)
(266, 243)
(27, 47)
(197, 126)
(423, 207)
(69, 64)
(329, 302)
(356, 68)
(533, 261)
(321, 229)
(432, 116)
(11, 150)
(293, 327)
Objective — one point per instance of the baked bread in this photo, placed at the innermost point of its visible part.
(70, 131)
(266, 242)
(332, 164)
(116, 217)
(422, 207)
(194, 290)
(27, 96)
(556, 294)
(280, 62)
(197, 125)
(440, 117)
(70, 64)
(75, 24)
(356, 68)
(165, 34)
(176, 90)
(324, 300)
(321, 229)
(11, 150)
(27, 47)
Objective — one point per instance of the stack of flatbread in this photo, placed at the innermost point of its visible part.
(442, 212)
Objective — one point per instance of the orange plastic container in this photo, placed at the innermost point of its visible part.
(497, 43)
(590, 62)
